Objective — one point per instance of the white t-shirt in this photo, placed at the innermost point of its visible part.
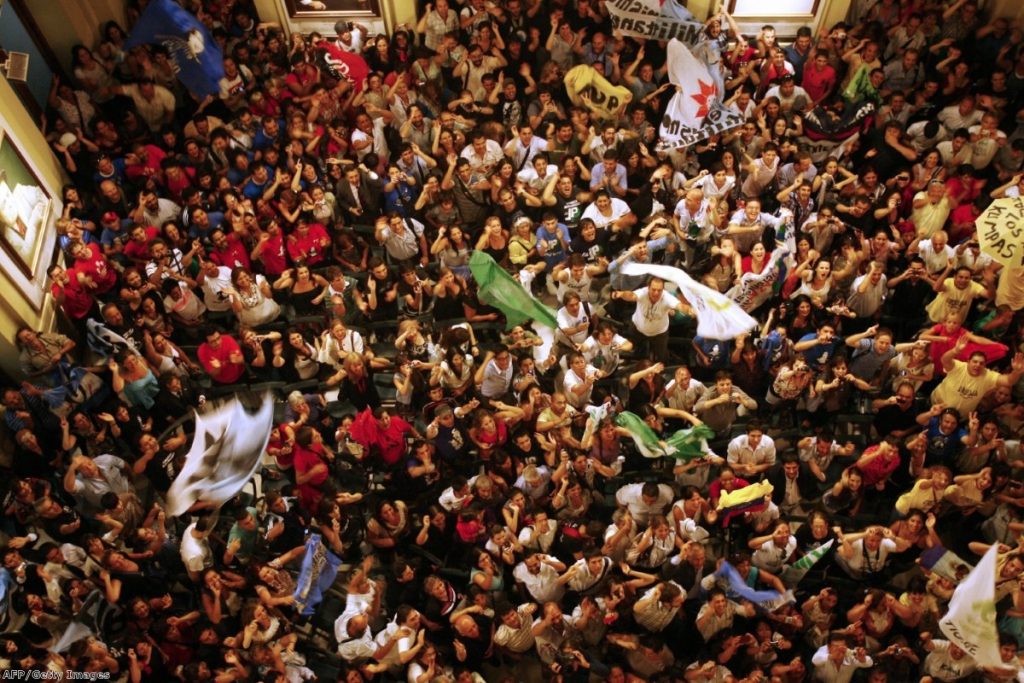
(601, 356)
(619, 209)
(378, 145)
(213, 290)
(543, 585)
(571, 380)
(652, 319)
(567, 320)
(935, 261)
(940, 665)
(496, 382)
(984, 149)
(770, 557)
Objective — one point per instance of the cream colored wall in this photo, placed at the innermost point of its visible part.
(15, 309)
(65, 23)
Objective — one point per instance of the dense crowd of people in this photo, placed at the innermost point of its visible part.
(307, 235)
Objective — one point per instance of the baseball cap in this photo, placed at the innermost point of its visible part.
(110, 217)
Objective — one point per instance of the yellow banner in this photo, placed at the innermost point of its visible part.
(606, 101)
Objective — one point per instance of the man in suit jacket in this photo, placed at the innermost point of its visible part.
(358, 196)
(793, 485)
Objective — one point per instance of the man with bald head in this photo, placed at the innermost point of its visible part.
(691, 222)
(472, 637)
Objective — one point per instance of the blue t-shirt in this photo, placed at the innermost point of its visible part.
(820, 354)
(943, 448)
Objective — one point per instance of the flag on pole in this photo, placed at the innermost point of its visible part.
(319, 569)
(685, 445)
(695, 112)
(970, 622)
(226, 450)
(655, 20)
(499, 289)
(195, 55)
(792, 574)
(718, 316)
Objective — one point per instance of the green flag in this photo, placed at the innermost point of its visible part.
(501, 290)
(689, 443)
(685, 445)
(792, 574)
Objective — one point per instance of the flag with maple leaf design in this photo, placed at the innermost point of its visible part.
(696, 111)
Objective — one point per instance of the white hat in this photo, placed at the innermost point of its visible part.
(68, 139)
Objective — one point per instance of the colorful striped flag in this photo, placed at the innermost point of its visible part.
(752, 498)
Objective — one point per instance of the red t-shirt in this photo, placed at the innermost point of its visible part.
(77, 301)
(312, 248)
(97, 267)
(275, 261)
(235, 256)
(139, 251)
(229, 372)
(150, 167)
(818, 83)
(305, 460)
(878, 469)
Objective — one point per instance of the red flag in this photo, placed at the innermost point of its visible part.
(347, 65)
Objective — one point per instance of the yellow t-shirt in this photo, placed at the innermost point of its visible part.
(1010, 291)
(919, 498)
(930, 218)
(953, 300)
(962, 391)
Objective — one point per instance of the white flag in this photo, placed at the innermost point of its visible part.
(226, 450)
(755, 288)
(970, 622)
(655, 20)
(718, 317)
(695, 112)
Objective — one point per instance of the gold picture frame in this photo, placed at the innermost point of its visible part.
(28, 213)
(332, 9)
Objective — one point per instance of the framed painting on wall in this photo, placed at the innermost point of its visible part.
(325, 9)
(756, 8)
(28, 214)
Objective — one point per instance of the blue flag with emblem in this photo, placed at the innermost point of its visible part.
(197, 58)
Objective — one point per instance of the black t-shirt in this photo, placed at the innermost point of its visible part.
(887, 161)
(891, 418)
(910, 297)
(160, 470)
(569, 211)
(593, 249)
(476, 648)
